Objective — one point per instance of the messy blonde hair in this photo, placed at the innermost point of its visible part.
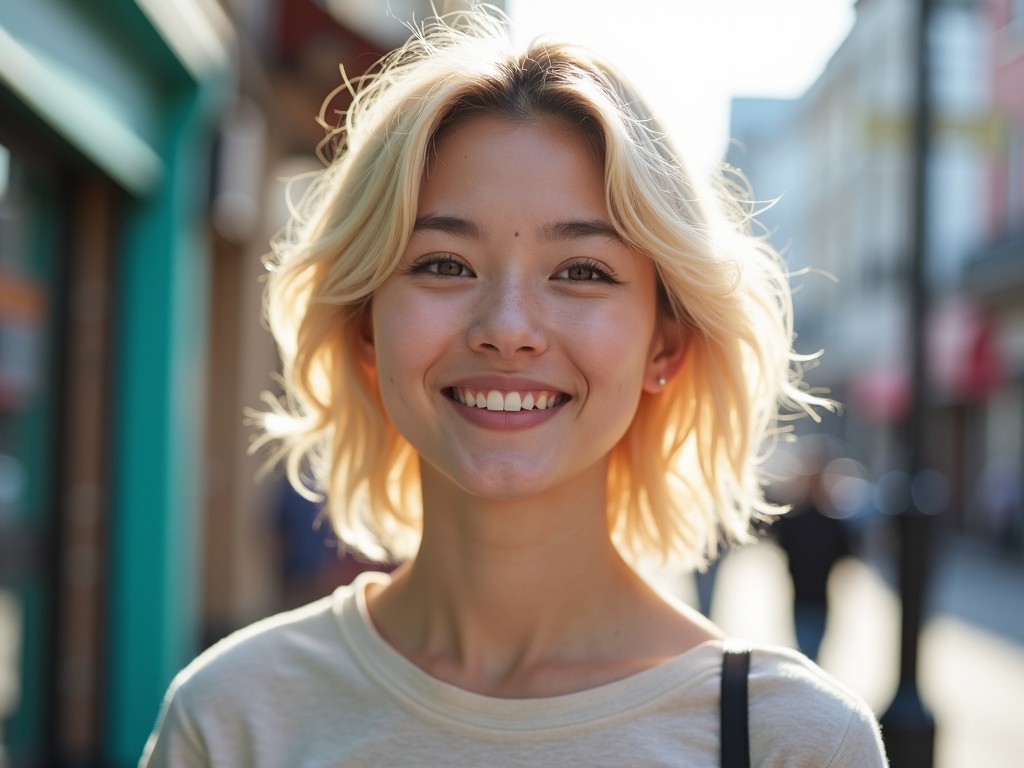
(685, 474)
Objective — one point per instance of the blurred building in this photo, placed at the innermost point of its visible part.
(108, 114)
(143, 147)
(840, 159)
(993, 281)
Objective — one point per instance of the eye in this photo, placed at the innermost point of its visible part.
(443, 265)
(586, 270)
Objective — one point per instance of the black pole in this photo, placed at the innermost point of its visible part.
(907, 727)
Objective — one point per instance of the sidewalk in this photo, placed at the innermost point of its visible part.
(972, 645)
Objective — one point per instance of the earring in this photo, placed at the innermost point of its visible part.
(661, 381)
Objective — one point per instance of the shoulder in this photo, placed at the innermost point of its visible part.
(205, 700)
(300, 643)
(262, 689)
(249, 646)
(796, 707)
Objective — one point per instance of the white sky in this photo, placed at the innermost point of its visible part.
(689, 57)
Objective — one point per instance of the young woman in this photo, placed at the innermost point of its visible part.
(524, 350)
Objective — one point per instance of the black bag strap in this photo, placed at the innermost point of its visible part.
(735, 733)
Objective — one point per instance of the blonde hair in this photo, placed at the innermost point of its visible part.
(685, 474)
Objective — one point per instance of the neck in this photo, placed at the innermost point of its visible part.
(524, 598)
(494, 581)
(511, 562)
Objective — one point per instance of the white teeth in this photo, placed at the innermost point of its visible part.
(494, 400)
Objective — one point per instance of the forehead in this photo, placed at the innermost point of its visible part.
(491, 164)
(494, 122)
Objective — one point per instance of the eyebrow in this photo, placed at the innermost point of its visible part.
(576, 230)
(561, 230)
(451, 225)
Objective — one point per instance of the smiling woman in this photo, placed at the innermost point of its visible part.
(523, 349)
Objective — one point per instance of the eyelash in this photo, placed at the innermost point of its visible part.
(601, 273)
(431, 263)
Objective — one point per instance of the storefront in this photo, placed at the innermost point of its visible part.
(108, 110)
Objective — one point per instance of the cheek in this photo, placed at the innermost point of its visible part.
(621, 343)
(408, 335)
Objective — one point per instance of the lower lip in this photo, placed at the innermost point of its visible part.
(504, 421)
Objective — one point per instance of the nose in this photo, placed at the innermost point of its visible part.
(508, 322)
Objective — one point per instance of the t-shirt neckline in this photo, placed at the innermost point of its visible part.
(449, 706)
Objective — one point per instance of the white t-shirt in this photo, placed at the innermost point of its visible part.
(320, 687)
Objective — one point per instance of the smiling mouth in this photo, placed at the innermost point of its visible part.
(495, 400)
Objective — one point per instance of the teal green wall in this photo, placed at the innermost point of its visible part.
(107, 81)
(164, 280)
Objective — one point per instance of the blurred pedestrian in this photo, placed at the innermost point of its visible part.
(525, 350)
(814, 537)
(1001, 500)
(312, 563)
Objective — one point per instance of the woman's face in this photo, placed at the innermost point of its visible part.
(515, 337)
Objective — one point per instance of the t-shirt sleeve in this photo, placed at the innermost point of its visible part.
(175, 741)
(861, 745)
(804, 718)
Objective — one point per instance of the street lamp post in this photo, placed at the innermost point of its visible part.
(907, 727)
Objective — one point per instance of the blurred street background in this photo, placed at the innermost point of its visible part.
(145, 150)
(972, 645)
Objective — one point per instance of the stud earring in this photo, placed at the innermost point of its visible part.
(661, 381)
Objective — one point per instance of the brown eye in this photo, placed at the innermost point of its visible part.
(442, 265)
(449, 268)
(585, 272)
(580, 273)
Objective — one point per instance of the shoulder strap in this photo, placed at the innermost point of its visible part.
(735, 735)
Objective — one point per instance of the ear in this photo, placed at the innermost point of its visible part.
(668, 352)
(363, 333)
